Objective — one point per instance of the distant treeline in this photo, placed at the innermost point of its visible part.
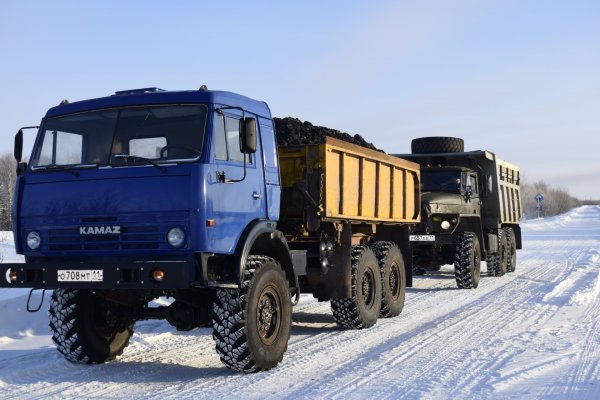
(556, 200)
(8, 174)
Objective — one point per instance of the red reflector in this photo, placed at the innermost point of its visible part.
(211, 222)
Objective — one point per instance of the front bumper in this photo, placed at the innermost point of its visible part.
(116, 274)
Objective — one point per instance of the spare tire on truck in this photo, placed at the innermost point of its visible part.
(437, 144)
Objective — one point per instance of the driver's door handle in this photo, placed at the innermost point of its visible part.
(256, 195)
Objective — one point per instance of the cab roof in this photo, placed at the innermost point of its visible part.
(154, 96)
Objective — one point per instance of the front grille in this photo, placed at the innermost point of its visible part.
(130, 238)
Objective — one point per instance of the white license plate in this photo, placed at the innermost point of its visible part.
(80, 275)
(422, 238)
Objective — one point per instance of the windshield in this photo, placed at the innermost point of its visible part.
(122, 136)
(440, 181)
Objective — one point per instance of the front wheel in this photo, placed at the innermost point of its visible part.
(467, 265)
(86, 328)
(251, 327)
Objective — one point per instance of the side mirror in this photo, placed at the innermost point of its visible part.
(21, 167)
(18, 153)
(248, 135)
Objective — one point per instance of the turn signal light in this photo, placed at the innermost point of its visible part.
(158, 275)
(12, 275)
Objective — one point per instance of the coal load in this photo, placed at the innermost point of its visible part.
(293, 132)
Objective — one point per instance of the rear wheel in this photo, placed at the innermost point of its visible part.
(492, 261)
(511, 249)
(393, 278)
(498, 263)
(87, 328)
(501, 266)
(467, 266)
(361, 310)
(251, 327)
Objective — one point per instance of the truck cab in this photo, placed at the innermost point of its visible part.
(448, 193)
(450, 203)
(150, 193)
(147, 179)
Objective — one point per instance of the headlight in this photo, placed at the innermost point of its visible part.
(445, 225)
(176, 237)
(34, 240)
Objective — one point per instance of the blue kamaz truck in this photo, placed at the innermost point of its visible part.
(185, 194)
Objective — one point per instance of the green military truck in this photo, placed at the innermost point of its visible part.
(470, 210)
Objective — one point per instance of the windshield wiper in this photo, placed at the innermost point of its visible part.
(129, 157)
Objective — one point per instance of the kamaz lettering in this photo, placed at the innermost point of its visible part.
(99, 230)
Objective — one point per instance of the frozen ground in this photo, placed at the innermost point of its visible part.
(531, 334)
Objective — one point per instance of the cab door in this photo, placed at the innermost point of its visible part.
(232, 200)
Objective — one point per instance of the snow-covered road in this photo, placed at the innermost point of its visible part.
(534, 333)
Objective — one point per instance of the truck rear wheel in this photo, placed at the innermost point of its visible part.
(498, 263)
(492, 261)
(503, 253)
(511, 249)
(467, 266)
(361, 310)
(251, 327)
(85, 328)
(437, 144)
(393, 278)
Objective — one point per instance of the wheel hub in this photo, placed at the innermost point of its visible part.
(394, 280)
(268, 315)
(368, 285)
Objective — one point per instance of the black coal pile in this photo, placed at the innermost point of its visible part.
(293, 132)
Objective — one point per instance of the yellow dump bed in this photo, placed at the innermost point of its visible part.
(343, 181)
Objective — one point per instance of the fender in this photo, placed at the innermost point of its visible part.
(262, 237)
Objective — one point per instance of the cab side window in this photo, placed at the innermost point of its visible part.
(227, 140)
(472, 182)
(232, 126)
(220, 143)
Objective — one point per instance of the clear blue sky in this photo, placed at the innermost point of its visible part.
(520, 78)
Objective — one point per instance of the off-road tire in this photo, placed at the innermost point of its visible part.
(498, 263)
(251, 326)
(467, 265)
(501, 265)
(393, 278)
(492, 261)
(511, 249)
(82, 331)
(437, 144)
(361, 310)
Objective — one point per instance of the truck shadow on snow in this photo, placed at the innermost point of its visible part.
(54, 369)
(420, 284)
(304, 323)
